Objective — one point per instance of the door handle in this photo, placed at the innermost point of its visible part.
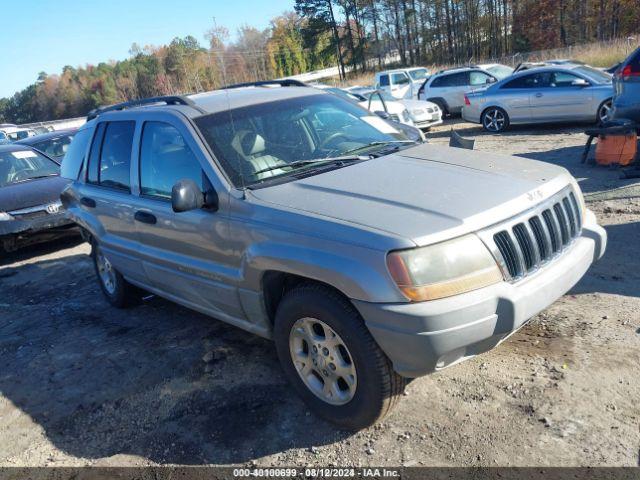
(88, 202)
(145, 217)
(538, 95)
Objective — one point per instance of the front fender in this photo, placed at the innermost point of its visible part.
(358, 273)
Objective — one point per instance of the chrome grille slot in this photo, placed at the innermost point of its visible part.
(526, 243)
(508, 250)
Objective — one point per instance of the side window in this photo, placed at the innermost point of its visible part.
(534, 80)
(478, 78)
(165, 158)
(400, 79)
(115, 156)
(562, 79)
(440, 82)
(384, 80)
(74, 158)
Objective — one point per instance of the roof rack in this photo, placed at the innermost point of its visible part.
(168, 100)
(287, 82)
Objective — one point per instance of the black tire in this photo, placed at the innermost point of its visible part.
(378, 387)
(122, 294)
(599, 115)
(500, 126)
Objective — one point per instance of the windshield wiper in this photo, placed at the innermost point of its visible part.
(373, 144)
(315, 161)
(36, 177)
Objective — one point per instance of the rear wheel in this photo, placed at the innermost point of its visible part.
(331, 359)
(495, 120)
(604, 111)
(115, 288)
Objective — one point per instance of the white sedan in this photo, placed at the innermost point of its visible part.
(424, 114)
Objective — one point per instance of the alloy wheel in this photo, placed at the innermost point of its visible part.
(322, 361)
(494, 120)
(106, 273)
(604, 113)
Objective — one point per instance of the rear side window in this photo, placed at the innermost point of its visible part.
(478, 78)
(110, 156)
(452, 80)
(384, 80)
(165, 159)
(74, 158)
(534, 80)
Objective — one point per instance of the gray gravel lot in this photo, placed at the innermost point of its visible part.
(82, 383)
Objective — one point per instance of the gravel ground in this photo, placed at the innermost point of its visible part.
(82, 383)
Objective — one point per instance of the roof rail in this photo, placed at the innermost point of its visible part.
(168, 100)
(287, 82)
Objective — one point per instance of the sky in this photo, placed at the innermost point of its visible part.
(49, 34)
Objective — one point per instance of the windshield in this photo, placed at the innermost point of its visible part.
(418, 74)
(24, 165)
(249, 140)
(594, 74)
(500, 71)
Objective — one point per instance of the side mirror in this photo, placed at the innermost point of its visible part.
(186, 196)
(579, 82)
(490, 80)
(382, 114)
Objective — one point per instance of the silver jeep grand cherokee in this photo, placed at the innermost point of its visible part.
(368, 258)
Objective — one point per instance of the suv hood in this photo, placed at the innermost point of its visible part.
(424, 194)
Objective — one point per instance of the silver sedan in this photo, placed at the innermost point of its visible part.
(561, 93)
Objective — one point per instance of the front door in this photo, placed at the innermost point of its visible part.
(183, 254)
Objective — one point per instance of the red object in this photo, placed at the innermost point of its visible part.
(466, 101)
(630, 71)
(616, 149)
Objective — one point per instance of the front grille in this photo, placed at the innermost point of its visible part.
(534, 241)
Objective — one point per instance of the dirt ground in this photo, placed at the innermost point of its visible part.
(82, 383)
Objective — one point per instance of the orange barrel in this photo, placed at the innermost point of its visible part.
(616, 149)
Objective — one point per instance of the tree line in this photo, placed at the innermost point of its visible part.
(356, 35)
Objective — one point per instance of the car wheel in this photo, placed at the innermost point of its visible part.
(331, 359)
(495, 120)
(604, 111)
(115, 288)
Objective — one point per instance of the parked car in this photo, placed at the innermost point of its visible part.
(393, 109)
(54, 144)
(563, 93)
(401, 82)
(447, 88)
(497, 70)
(17, 133)
(626, 100)
(299, 216)
(4, 139)
(423, 114)
(30, 207)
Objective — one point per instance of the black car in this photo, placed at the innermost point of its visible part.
(30, 208)
(54, 144)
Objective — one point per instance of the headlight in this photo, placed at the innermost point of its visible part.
(4, 216)
(417, 111)
(444, 269)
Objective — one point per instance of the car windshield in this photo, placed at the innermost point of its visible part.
(594, 74)
(252, 142)
(500, 71)
(24, 165)
(418, 74)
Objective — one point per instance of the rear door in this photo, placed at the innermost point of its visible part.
(106, 197)
(185, 254)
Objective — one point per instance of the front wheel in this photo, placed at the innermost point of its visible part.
(331, 359)
(604, 112)
(495, 120)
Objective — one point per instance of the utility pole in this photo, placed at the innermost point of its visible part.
(220, 55)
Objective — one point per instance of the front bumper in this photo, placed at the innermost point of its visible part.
(421, 338)
(21, 232)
